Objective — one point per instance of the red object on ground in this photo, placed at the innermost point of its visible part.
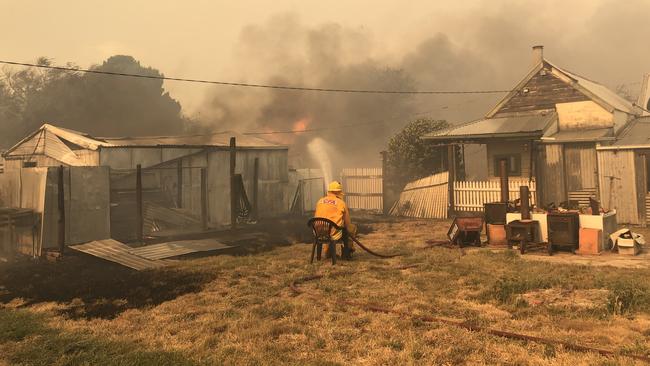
(497, 235)
(590, 241)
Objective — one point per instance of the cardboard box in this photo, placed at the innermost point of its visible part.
(591, 242)
(629, 250)
(628, 246)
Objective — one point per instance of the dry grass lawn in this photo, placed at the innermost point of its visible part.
(237, 308)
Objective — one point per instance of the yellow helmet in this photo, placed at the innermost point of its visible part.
(335, 187)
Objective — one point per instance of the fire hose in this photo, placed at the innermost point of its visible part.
(370, 251)
(464, 324)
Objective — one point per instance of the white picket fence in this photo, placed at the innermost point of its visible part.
(471, 195)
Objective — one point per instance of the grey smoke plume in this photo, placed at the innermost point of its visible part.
(487, 48)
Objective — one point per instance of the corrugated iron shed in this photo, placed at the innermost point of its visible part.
(55, 142)
(532, 125)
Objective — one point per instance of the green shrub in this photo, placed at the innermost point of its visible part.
(627, 296)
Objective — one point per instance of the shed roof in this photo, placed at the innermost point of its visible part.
(217, 139)
(59, 136)
(532, 125)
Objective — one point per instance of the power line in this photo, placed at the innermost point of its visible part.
(265, 86)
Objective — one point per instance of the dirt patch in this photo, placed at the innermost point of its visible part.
(582, 299)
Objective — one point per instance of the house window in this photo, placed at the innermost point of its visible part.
(513, 163)
(29, 164)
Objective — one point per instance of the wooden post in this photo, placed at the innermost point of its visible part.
(384, 186)
(204, 198)
(565, 175)
(539, 192)
(233, 193)
(532, 164)
(451, 166)
(179, 182)
(138, 199)
(503, 174)
(61, 204)
(525, 203)
(256, 178)
(460, 164)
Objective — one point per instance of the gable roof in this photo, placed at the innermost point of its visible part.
(532, 125)
(55, 142)
(593, 90)
(78, 138)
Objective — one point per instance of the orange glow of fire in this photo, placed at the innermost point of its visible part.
(301, 124)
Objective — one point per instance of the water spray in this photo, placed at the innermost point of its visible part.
(320, 151)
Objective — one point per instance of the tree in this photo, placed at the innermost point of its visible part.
(101, 105)
(409, 157)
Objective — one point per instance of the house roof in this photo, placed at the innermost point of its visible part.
(635, 135)
(597, 134)
(533, 125)
(595, 91)
(598, 91)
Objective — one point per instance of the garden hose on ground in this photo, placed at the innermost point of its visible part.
(370, 251)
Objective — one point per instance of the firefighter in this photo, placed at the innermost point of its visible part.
(333, 207)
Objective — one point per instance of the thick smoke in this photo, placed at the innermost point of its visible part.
(335, 56)
(485, 48)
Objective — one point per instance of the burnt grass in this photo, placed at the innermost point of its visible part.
(93, 287)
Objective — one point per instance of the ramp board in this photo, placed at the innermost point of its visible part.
(176, 248)
(114, 251)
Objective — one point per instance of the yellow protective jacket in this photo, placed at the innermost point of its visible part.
(334, 208)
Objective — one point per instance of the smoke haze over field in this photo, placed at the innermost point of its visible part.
(363, 45)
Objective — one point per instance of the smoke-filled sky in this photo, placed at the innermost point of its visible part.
(370, 44)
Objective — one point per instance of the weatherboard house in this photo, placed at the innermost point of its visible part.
(570, 137)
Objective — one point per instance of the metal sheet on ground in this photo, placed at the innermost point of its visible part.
(176, 248)
(114, 251)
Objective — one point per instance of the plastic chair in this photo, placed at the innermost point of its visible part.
(322, 230)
